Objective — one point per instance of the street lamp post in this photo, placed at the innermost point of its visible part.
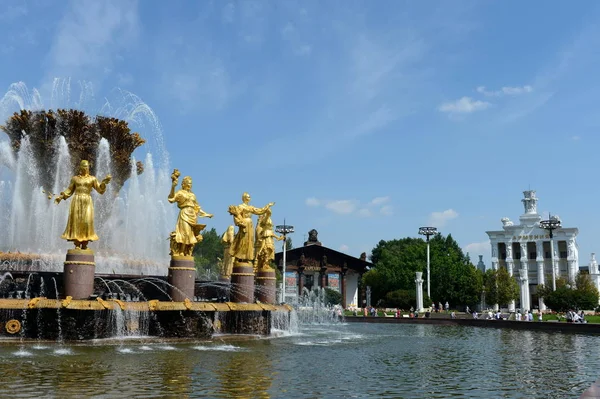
(285, 230)
(427, 232)
(551, 224)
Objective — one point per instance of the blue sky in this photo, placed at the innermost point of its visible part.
(364, 120)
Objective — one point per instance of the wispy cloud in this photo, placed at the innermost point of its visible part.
(342, 207)
(312, 201)
(353, 207)
(344, 248)
(477, 248)
(380, 200)
(440, 219)
(505, 91)
(91, 35)
(464, 105)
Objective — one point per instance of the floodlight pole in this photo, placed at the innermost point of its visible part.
(285, 230)
(427, 232)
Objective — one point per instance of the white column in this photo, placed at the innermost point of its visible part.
(419, 282)
(524, 274)
(594, 273)
(494, 255)
(571, 260)
(524, 282)
(509, 267)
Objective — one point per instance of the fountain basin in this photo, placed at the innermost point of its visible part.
(68, 319)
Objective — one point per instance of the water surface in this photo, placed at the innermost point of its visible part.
(335, 361)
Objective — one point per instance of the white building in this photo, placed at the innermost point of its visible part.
(524, 250)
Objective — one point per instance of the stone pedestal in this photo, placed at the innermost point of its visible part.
(182, 277)
(242, 282)
(78, 277)
(265, 287)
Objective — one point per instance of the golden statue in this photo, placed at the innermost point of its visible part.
(242, 248)
(227, 261)
(187, 231)
(265, 248)
(80, 225)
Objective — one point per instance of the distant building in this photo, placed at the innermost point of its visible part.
(480, 264)
(314, 265)
(524, 250)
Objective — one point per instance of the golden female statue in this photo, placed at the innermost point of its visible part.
(243, 244)
(265, 248)
(187, 231)
(80, 225)
(227, 262)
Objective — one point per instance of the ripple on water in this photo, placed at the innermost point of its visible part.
(218, 348)
(22, 353)
(63, 351)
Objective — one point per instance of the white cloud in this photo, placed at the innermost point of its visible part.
(464, 105)
(312, 201)
(351, 206)
(364, 212)
(91, 34)
(477, 248)
(344, 248)
(387, 210)
(576, 138)
(380, 200)
(342, 206)
(439, 219)
(506, 91)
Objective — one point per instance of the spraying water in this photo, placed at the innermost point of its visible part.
(132, 224)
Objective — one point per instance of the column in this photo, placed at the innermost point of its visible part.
(344, 289)
(300, 280)
(571, 260)
(594, 273)
(524, 274)
(323, 277)
(494, 255)
(509, 267)
(524, 283)
(419, 282)
(539, 245)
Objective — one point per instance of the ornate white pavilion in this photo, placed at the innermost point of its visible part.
(524, 249)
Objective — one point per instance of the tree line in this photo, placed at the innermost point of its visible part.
(455, 279)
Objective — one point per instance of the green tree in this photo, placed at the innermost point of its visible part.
(500, 287)
(453, 277)
(208, 252)
(508, 288)
(396, 262)
(582, 296)
(288, 243)
(332, 297)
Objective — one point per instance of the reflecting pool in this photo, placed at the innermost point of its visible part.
(322, 361)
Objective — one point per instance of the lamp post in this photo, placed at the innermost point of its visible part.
(285, 230)
(427, 232)
(551, 224)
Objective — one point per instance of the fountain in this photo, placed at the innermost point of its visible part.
(151, 294)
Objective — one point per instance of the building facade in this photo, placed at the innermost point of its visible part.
(315, 265)
(524, 250)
